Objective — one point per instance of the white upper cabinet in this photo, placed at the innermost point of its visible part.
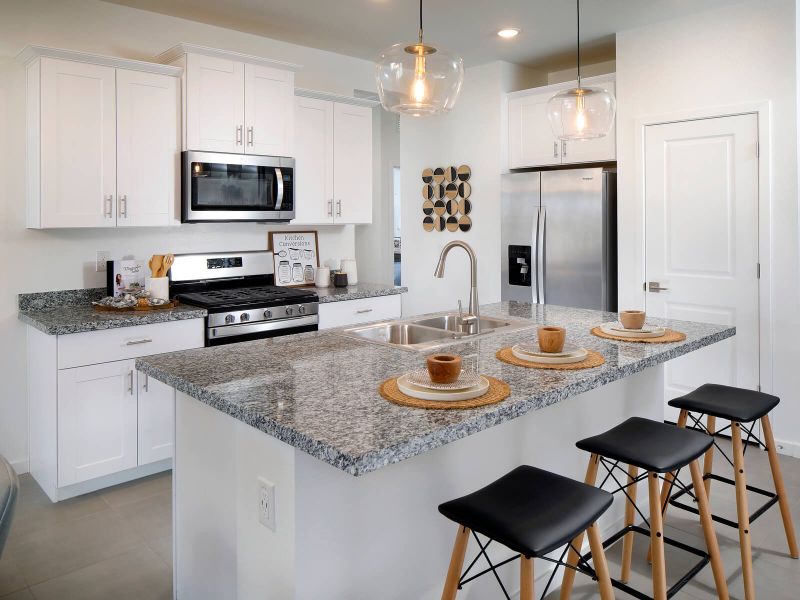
(214, 104)
(333, 160)
(75, 150)
(268, 110)
(148, 149)
(234, 102)
(102, 140)
(531, 142)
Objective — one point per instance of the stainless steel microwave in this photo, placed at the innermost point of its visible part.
(236, 187)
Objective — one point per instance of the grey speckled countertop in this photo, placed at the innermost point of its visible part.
(319, 391)
(70, 311)
(356, 292)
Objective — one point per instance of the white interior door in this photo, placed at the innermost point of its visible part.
(148, 148)
(701, 207)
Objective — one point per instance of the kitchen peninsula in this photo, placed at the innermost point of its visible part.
(357, 479)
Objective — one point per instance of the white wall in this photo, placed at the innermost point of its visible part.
(51, 260)
(741, 54)
(472, 134)
(600, 68)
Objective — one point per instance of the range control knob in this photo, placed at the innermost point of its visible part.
(244, 317)
(289, 311)
(301, 309)
(267, 314)
(229, 319)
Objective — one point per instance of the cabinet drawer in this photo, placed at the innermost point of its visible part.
(93, 347)
(354, 312)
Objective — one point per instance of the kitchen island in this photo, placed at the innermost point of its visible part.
(357, 479)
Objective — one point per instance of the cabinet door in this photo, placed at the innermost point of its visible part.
(96, 421)
(269, 110)
(530, 138)
(156, 419)
(214, 104)
(313, 161)
(352, 163)
(78, 144)
(148, 148)
(602, 149)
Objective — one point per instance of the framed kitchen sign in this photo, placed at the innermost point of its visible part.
(296, 257)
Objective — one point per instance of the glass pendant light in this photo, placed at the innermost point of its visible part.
(418, 79)
(584, 112)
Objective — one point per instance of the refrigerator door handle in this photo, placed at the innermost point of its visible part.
(535, 261)
(541, 232)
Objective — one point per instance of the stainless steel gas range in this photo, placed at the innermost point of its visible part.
(237, 289)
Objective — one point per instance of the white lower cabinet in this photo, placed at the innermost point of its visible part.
(96, 421)
(156, 409)
(355, 312)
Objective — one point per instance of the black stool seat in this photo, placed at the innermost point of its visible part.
(529, 510)
(726, 402)
(649, 445)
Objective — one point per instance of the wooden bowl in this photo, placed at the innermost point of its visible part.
(632, 319)
(444, 368)
(551, 339)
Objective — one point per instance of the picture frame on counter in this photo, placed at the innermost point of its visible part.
(296, 257)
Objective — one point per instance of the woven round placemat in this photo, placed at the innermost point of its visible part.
(669, 337)
(498, 391)
(595, 359)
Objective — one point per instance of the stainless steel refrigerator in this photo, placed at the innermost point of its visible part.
(559, 236)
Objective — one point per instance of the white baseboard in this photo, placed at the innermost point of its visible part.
(20, 466)
(788, 448)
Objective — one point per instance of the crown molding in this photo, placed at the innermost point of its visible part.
(185, 48)
(306, 93)
(30, 53)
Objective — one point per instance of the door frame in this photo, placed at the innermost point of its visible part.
(763, 112)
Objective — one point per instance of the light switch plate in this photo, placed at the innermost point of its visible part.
(101, 260)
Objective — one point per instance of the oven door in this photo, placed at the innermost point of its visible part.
(236, 187)
(229, 334)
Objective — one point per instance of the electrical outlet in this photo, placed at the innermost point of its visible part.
(266, 503)
(101, 260)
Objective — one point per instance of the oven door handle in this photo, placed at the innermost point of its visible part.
(232, 330)
(279, 185)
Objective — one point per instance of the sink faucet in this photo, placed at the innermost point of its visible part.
(473, 315)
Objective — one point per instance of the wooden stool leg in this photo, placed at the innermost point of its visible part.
(780, 488)
(572, 558)
(708, 532)
(456, 564)
(525, 578)
(708, 459)
(630, 515)
(600, 564)
(667, 486)
(657, 539)
(742, 512)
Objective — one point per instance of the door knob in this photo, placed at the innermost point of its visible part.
(655, 286)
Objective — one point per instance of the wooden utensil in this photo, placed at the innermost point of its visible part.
(155, 264)
(167, 264)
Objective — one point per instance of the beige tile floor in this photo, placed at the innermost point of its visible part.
(117, 544)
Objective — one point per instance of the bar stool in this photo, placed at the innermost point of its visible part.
(742, 408)
(532, 512)
(657, 448)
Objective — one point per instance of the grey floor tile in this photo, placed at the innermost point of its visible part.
(136, 575)
(72, 545)
(151, 517)
(163, 547)
(23, 594)
(134, 491)
(11, 579)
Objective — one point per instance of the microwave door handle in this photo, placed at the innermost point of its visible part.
(279, 185)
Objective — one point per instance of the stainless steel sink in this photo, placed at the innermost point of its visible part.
(457, 324)
(426, 333)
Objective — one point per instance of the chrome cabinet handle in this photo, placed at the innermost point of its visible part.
(655, 286)
(239, 135)
(563, 147)
(339, 208)
(107, 200)
(130, 382)
(140, 341)
(363, 311)
(555, 149)
(122, 208)
(249, 136)
(330, 207)
(146, 384)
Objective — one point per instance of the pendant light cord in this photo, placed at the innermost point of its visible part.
(420, 21)
(578, 3)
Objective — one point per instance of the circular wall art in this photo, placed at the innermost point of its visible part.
(446, 199)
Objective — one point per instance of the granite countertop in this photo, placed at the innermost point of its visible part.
(319, 391)
(356, 292)
(70, 311)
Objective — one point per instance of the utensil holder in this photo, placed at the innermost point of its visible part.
(158, 287)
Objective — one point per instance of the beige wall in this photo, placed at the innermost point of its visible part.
(63, 259)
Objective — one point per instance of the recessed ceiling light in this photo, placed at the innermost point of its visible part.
(508, 32)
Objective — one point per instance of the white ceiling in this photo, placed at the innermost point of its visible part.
(362, 27)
